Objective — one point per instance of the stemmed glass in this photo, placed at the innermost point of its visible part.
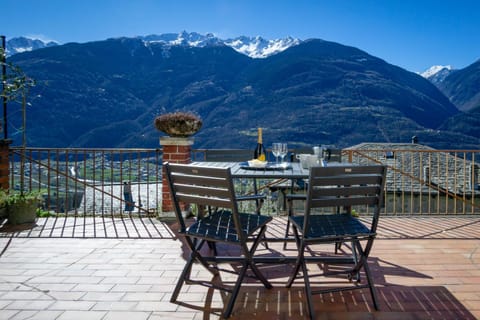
(276, 151)
(283, 151)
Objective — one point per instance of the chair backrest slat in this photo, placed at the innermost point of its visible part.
(344, 201)
(202, 191)
(205, 201)
(348, 170)
(345, 191)
(214, 182)
(354, 179)
(206, 172)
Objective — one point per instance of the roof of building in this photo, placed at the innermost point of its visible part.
(418, 168)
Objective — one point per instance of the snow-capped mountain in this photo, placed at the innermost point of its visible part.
(22, 44)
(258, 47)
(436, 74)
(191, 39)
(254, 47)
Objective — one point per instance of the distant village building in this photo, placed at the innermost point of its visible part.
(422, 179)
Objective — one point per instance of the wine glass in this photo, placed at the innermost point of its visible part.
(283, 151)
(276, 151)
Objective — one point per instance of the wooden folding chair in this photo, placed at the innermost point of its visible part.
(212, 188)
(292, 197)
(343, 187)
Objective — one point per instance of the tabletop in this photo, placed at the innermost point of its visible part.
(240, 170)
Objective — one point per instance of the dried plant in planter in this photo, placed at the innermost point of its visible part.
(178, 124)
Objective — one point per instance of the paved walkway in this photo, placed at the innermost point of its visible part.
(68, 279)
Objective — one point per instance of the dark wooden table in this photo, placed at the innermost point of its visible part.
(293, 171)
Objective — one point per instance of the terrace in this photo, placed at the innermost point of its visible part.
(90, 258)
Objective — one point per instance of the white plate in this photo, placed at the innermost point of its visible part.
(257, 164)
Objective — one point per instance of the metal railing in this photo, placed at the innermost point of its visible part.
(426, 181)
(86, 182)
(91, 181)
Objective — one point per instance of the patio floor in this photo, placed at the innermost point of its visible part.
(425, 268)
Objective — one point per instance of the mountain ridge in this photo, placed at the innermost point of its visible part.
(462, 87)
(254, 47)
(107, 93)
(25, 44)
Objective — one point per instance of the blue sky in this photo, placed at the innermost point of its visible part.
(413, 34)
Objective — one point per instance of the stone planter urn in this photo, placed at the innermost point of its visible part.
(178, 124)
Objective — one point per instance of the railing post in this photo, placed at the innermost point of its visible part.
(175, 150)
(5, 163)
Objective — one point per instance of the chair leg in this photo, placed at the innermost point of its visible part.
(301, 255)
(260, 276)
(233, 296)
(371, 285)
(264, 237)
(287, 230)
(247, 263)
(301, 263)
(362, 262)
(258, 208)
(293, 276)
(337, 246)
(213, 246)
(356, 248)
(249, 255)
(308, 290)
(185, 275)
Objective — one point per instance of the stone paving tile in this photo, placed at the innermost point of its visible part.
(81, 271)
(115, 306)
(103, 296)
(157, 280)
(122, 280)
(51, 287)
(37, 315)
(82, 315)
(156, 306)
(165, 288)
(115, 315)
(71, 305)
(93, 287)
(22, 295)
(81, 279)
(29, 305)
(131, 288)
(38, 279)
(179, 315)
(8, 314)
(62, 295)
(110, 273)
(143, 296)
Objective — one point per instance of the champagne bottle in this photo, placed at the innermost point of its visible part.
(259, 152)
